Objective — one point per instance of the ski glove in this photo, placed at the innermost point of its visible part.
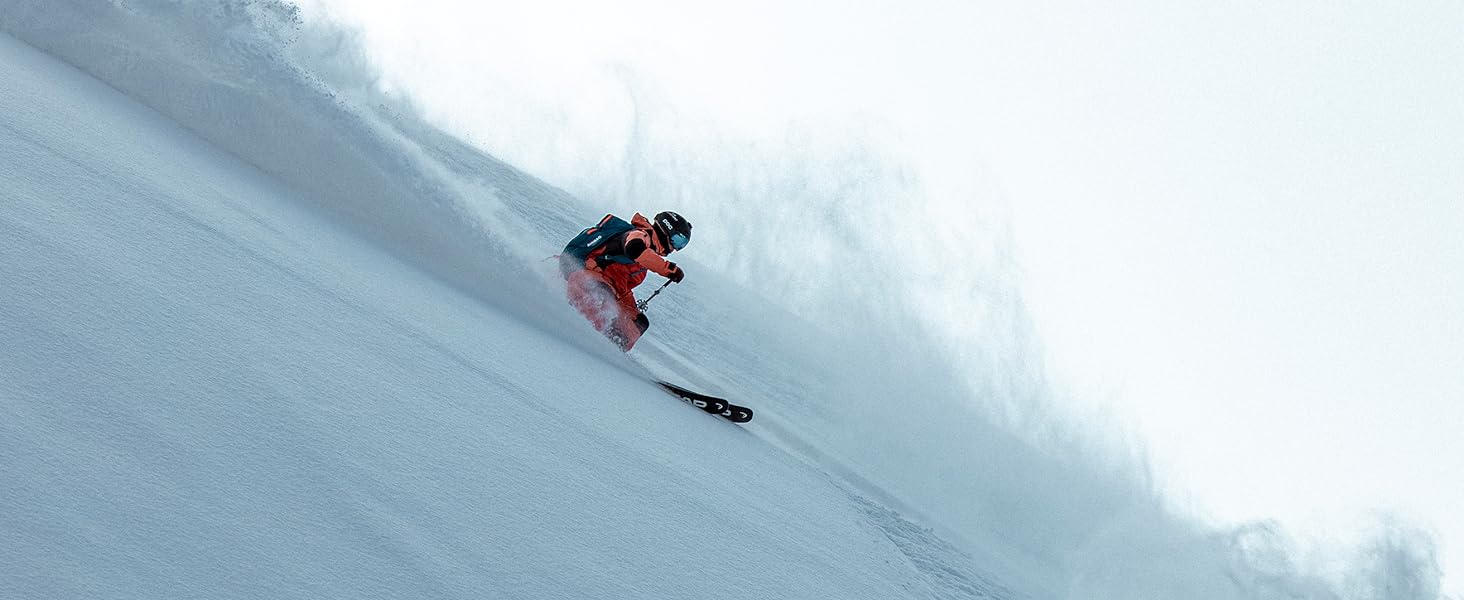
(676, 274)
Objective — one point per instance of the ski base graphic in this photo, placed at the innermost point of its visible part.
(711, 404)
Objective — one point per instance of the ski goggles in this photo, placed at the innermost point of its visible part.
(679, 240)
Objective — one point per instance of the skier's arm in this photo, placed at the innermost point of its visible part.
(640, 251)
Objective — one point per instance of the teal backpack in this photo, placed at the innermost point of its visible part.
(590, 239)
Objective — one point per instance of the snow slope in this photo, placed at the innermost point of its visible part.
(268, 334)
(210, 392)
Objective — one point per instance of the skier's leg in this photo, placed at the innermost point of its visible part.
(592, 297)
(617, 318)
(629, 324)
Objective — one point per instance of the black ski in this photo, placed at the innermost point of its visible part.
(711, 404)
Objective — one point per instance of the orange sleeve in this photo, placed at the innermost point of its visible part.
(648, 257)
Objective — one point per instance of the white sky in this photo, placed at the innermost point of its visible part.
(1242, 223)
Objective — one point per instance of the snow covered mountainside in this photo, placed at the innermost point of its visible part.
(269, 335)
(210, 392)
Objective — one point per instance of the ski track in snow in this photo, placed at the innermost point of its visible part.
(946, 570)
(210, 391)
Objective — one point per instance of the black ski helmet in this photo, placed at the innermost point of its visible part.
(675, 231)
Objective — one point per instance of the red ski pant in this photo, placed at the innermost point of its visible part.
(611, 314)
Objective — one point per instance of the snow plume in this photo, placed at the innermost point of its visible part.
(868, 352)
(1399, 562)
(830, 222)
(922, 378)
(1152, 554)
(940, 373)
(298, 101)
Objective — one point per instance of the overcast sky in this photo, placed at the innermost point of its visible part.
(1241, 224)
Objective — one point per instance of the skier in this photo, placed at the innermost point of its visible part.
(603, 265)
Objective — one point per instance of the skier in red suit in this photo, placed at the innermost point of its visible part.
(603, 265)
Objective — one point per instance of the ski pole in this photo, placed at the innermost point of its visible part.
(641, 306)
